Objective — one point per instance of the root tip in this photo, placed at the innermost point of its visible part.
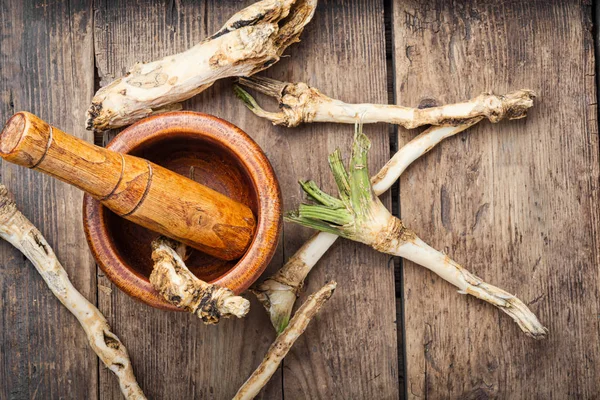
(236, 306)
(518, 103)
(539, 334)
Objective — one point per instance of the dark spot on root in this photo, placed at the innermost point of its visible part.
(207, 309)
(427, 103)
(175, 299)
(287, 89)
(93, 112)
(237, 25)
(516, 113)
(242, 23)
(270, 62)
(451, 121)
(39, 242)
(263, 297)
(111, 342)
(119, 366)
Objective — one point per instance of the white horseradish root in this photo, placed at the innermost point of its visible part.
(284, 342)
(278, 292)
(179, 286)
(300, 103)
(250, 41)
(359, 215)
(16, 229)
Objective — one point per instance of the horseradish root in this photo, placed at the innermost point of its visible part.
(414, 149)
(176, 283)
(284, 342)
(16, 229)
(278, 292)
(250, 41)
(300, 103)
(359, 215)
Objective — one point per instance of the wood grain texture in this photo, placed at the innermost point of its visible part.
(349, 351)
(46, 61)
(211, 362)
(517, 203)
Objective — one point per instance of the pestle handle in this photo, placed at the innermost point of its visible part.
(136, 189)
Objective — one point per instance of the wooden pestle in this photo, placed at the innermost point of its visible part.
(134, 188)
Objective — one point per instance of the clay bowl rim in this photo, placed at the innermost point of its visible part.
(250, 157)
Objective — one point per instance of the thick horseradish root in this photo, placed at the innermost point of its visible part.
(278, 292)
(284, 342)
(300, 103)
(176, 283)
(16, 229)
(250, 41)
(359, 215)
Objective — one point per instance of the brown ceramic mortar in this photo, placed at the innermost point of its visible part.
(213, 152)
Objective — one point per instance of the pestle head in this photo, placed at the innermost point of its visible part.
(12, 133)
(25, 139)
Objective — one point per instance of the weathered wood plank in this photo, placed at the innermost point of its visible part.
(349, 351)
(213, 361)
(174, 354)
(46, 64)
(518, 202)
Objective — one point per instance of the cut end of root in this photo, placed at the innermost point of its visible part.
(519, 102)
(513, 105)
(92, 116)
(301, 13)
(8, 208)
(236, 306)
(176, 283)
(326, 291)
(278, 299)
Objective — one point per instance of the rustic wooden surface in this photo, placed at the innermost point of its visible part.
(517, 203)
(46, 60)
(324, 362)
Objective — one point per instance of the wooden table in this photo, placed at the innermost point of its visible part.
(518, 203)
